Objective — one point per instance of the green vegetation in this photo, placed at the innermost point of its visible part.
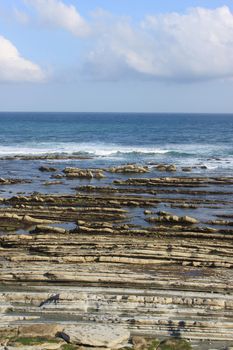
(153, 344)
(69, 347)
(174, 344)
(33, 341)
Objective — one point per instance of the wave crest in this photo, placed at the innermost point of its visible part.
(111, 150)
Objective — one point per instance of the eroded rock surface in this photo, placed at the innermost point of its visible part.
(99, 335)
(135, 254)
(72, 173)
(129, 168)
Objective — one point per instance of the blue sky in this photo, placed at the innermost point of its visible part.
(116, 55)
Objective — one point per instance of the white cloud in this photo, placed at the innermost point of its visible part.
(13, 67)
(56, 13)
(195, 45)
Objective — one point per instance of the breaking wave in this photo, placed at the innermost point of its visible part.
(111, 150)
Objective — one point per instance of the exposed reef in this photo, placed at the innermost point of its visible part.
(124, 262)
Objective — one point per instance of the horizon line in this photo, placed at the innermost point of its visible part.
(117, 112)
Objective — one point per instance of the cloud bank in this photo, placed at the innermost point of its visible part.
(13, 67)
(197, 45)
(193, 46)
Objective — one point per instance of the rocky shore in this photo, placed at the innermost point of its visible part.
(124, 259)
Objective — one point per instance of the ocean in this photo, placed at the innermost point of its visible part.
(183, 139)
(102, 140)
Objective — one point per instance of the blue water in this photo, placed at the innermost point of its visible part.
(177, 138)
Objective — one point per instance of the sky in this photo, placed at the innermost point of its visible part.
(116, 56)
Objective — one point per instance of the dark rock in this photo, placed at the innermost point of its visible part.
(48, 169)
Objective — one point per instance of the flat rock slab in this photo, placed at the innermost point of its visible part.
(40, 330)
(97, 335)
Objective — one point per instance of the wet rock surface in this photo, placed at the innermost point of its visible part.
(48, 169)
(134, 257)
(165, 167)
(129, 168)
(72, 173)
(10, 181)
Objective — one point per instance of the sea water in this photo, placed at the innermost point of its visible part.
(183, 139)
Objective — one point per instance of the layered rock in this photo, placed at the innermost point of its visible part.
(72, 173)
(106, 336)
(165, 167)
(93, 259)
(129, 168)
(48, 169)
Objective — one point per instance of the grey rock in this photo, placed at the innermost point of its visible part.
(97, 335)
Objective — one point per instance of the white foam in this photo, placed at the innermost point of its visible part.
(113, 150)
(70, 148)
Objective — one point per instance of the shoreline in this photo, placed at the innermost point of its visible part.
(123, 248)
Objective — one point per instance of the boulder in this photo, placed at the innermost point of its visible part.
(129, 168)
(47, 169)
(96, 335)
(72, 173)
